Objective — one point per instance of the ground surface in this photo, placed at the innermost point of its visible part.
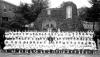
(46, 55)
(3, 54)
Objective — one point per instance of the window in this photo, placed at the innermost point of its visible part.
(5, 18)
(68, 12)
(5, 10)
(49, 12)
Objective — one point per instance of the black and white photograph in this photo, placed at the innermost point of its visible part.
(49, 28)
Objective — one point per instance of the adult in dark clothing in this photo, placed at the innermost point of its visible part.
(97, 36)
(2, 38)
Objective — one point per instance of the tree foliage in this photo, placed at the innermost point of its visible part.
(82, 13)
(27, 13)
(93, 13)
(31, 12)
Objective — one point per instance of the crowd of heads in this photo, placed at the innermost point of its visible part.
(39, 40)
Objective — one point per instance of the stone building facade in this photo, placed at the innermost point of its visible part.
(64, 18)
(6, 11)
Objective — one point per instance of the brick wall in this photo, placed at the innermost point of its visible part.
(59, 15)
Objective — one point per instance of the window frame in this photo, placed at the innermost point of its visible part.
(69, 12)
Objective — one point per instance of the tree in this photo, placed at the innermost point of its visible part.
(83, 13)
(93, 14)
(31, 12)
(42, 3)
(27, 14)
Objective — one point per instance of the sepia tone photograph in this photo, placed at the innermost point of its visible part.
(49, 28)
